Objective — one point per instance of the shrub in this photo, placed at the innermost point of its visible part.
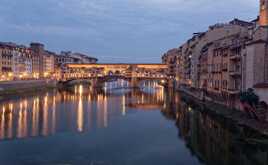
(249, 97)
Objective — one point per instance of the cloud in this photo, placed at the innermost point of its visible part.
(117, 27)
(186, 4)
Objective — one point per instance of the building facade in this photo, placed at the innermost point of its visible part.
(79, 58)
(37, 64)
(16, 61)
(226, 59)
(22, 60)
(263, 21)
(170, 58)
(19, 62)
(6, 55)
(48, 64)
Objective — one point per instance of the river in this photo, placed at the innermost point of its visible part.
(118, 125)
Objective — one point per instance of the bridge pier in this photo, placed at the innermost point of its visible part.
(134, 82)
(96, 83)
(171, 83)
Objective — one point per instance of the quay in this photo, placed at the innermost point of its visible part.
(236, 116)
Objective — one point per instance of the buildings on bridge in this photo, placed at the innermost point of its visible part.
(148, 71)
(225, 59)
(34, 62)
(66, 57)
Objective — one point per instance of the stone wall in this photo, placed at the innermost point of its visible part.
(25, 84)
(262, 93)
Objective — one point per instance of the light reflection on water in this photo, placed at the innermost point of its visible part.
(41, 115)
(119, 125)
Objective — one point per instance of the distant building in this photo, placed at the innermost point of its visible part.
(23, 62)
(77, 58)
(48, 64)
(6, 56)
(226, 59)
(37, 58)
(43, 61)
(263, 18)
(63, 59)
(82, 58)
(170, 58)
(16, 61)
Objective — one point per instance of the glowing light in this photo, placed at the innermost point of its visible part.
(124, 105)
(80, 115)
(25, 104)
(46, 74)
(10, 106)
(45, 117)
(22, 128)
(10, 74)
(10, 124)
(190, 109)
(54, 115)
(2, 135)
(105, 114)
(80, 90)
(35, 116)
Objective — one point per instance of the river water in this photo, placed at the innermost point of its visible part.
(117, 125)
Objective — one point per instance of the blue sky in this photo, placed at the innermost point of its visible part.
(115, 30)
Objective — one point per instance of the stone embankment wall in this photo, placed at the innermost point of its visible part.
(262, 93)
(13, 87)
(233, 103)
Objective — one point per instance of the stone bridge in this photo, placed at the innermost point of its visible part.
(100, 73)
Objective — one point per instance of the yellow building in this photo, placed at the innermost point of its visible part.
(48, 64)
(6, 53)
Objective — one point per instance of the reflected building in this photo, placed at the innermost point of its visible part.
(214, 140)
(81, 109)
(78, 109)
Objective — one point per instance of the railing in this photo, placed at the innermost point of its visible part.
(233, 90)
(236, 44)
(235, 71)
(235, 56)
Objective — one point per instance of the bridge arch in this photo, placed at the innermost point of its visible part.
(133, 73)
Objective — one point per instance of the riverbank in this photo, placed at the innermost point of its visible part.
(13, 88)
(235, 115)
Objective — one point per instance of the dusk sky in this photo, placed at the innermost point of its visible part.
(116, 30)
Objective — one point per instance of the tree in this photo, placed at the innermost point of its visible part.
(249, 97)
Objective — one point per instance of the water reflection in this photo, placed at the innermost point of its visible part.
(214, 140)
(77, 109)
(81, 110)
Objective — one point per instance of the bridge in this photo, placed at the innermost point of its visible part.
(100, 73)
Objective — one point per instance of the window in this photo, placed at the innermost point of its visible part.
(263, 5)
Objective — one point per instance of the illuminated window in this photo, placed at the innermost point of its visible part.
(262, 5)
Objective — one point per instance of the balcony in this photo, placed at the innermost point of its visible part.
(235, 57)
(234, 86)
(233, 91)
(235, 71)
(225, 69)
(236, 44)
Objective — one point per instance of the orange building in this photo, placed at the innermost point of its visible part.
(263, 20)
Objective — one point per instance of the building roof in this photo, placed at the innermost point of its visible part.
(84, 56)
(240, 22)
